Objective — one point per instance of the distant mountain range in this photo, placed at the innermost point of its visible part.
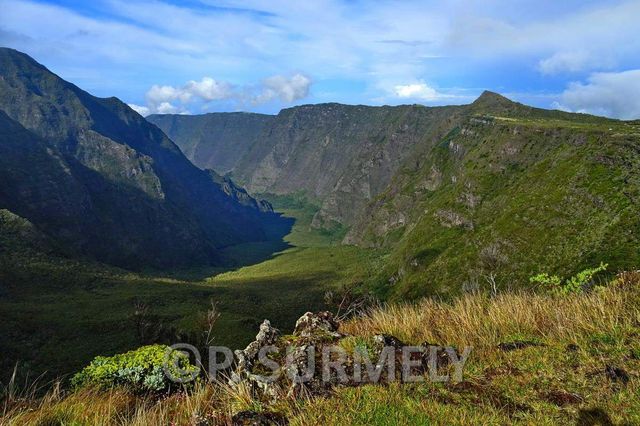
(104, 183)
(455, 194)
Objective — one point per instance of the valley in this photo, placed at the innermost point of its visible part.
(250, 213)
(400, 202)
(59, 313)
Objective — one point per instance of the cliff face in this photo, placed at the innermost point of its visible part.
(340, 156)
(102, 180)
(213, 141)
(509, 192)
(446, 189)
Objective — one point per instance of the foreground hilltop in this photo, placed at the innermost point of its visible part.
(534, 358)
(454, 194)
(104, 183)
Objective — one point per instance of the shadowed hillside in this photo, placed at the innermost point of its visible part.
(95, 176)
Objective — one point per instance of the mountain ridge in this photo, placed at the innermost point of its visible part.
(147, 205)
(432, 185)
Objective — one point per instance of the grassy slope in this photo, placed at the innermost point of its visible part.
(546, 384)
(555, 195)
(58, 313)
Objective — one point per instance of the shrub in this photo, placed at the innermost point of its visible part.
(575, 284)
(140, 370)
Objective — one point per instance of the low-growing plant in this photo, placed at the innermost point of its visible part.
(141, 370)
(576, 284)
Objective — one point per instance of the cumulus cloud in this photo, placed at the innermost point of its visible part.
(287, 89)
(142, 110)
(574, 61)
(612, 94)
(422, 92)
(564, 62)
(163, 99)
(159, 98)
(167, 108)
(416, 90)
(208, 89)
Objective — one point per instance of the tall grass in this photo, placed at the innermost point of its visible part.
(482, 321)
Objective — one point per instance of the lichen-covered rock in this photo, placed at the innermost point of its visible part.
(388, 340)
(267, 335)
(245, 360)
(321, 324)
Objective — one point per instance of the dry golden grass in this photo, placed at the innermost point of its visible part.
(481, 321)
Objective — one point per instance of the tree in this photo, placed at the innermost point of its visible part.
(491, 261)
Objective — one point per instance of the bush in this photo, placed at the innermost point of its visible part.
(140, 370)
(575, 284)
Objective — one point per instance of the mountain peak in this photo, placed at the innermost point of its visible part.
(494, 103)
(488, 97)
(9, 54)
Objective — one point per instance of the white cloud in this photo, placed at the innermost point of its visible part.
(166, 108)
(421, 91)
(610, 94)
(158, 94)
(142, 110)
(416, 91)
(287, 89)
(574, 61)
(564, 62)
(206, 90)
(162, 99)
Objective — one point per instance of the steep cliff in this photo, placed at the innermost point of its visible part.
(99, 178)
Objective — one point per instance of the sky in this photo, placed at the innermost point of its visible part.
(198, 56)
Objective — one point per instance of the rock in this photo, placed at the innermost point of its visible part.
(617, 374)
(518, 344)
(253, 418)
(267, 335)
(384, 340)
(320, 324)
(572, 347)
(305, 363)
(451, 219)
(245, 359)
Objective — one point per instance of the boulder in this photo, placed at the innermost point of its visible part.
(267, 335)
(384, 340)
(321, 324)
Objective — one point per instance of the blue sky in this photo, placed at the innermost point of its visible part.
(200, 56)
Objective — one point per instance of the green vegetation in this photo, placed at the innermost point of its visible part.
(460, 203)
(141, 370)
(439, 188)
(59, 313)
(533, 190)
(300, 207)
(576, 284)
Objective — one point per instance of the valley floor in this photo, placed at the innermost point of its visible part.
(57, 314)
